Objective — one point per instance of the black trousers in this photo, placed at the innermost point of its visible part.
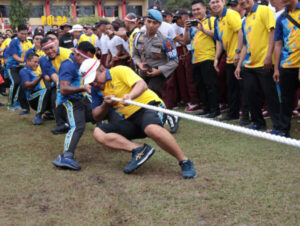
(253, 79)
(58, 111)
(77, 112)
(205, 77)
(40, 101)
(288, 83)
(16, 92)
(235, 93)
(156, 83)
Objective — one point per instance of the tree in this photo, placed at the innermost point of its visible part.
(176, 4)
(20, 12)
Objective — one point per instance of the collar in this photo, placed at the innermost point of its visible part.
(254, 8)
(223, 13)
(108, 75)
(297, 7)
(80, 35)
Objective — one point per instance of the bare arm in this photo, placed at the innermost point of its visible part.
(219, 49)
(66, 89)
(277, 52)
(268, 59)
(187, 36)
(100, 112)
(31, 85)
(239, 47)
(17, 58)
(242, 58)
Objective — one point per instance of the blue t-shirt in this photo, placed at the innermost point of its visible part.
(97, 97)
(69, 71)
(27, 75)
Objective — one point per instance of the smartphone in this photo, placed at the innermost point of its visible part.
(148, 67)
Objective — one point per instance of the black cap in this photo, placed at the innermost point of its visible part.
(232, 2)
(65, 25)
(166, 12)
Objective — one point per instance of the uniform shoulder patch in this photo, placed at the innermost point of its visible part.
(170, 49)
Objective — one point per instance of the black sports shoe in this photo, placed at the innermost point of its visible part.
(173, 122)
(228, 118)
(213, 114)
(139, 156)
(61, 129)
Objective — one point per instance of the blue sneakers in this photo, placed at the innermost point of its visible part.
(188, 170)
(139, 156)
(257, 127)
(37, 119)
(66, 162)
(24, 112)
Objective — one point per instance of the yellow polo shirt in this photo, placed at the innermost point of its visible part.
(120, 82)
(62, 55)
(203, 46)
(226, 31)
(256, 29)
(84, 38)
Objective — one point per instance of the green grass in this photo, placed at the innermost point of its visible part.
(241, 180)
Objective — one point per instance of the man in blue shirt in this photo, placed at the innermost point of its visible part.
(36, 92)
(77, 108)
(16, 52)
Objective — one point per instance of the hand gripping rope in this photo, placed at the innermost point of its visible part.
(239, 129)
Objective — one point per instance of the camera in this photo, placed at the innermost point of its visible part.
(194, 23)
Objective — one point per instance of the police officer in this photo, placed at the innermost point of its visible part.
(66, 39)
(156, 57)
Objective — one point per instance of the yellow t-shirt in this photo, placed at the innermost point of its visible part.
(226, 31)
(122, 80)
(256, 30)
(84, 38)
(62, 55)
(5, 43)
(203, 46)
(93, 38)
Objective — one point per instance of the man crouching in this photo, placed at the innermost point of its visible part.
(127, 122)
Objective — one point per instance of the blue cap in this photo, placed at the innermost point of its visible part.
(155, 15)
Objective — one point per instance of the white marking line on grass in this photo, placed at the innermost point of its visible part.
(239, 129)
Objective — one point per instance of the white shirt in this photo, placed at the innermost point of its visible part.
(166, 29)
(113, 43)
(178, 31)
(104, 43)
(126, 46)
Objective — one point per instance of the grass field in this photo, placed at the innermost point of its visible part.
(241, 180)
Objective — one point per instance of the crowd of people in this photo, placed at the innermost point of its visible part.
(242, 57)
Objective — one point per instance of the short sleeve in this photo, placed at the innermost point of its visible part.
(279, 29)
(97, 97)
(235, 21)
(171, 33)
(269, 18)
(126, 75)
(66, 71)
(118, 41)
(24, 75)
(13, 47)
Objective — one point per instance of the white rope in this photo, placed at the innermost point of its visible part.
(239, 129)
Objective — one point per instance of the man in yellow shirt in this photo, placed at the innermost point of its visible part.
(127, 122)
(201, 36)
(79, 36)
(256, 58)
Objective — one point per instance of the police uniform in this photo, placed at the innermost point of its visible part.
(158, 52)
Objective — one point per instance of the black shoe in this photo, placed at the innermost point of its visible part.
(48, 117)
(203, 113)
(173, 122)
(245, 122)
(213, 114)
(228, 118)
(61, 129)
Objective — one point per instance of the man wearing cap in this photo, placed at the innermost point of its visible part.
(156, 57)
(130, 122)
(131, 28)
(66, 39)
(79, 36)
(77, 108)
(89, 32)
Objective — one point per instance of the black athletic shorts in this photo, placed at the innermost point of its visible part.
(134, 126)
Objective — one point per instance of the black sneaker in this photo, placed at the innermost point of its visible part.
(228, 118)
(188, 170)
(61, 129)
(139, 156)
(203, 113)
(245, 122)
(213, 114)
(173, 122)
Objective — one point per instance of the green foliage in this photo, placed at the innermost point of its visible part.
(184, 4)
(91, 20)
(20, 12)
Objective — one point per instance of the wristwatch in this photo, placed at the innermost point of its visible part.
(238, 51)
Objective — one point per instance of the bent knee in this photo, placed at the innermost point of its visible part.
(99, 135)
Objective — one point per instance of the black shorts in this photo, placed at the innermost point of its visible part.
(134, 126)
